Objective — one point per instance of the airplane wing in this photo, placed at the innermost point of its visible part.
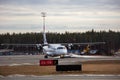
(6, 44)
(88, 43)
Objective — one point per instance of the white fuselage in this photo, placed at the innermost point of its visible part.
(54, 50)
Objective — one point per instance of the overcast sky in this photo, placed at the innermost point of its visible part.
(61, 15)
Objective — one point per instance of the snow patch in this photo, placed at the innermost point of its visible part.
(14, 64)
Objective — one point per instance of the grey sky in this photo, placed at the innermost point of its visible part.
(62, 15)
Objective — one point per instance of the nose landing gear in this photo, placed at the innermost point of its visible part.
(46, 56)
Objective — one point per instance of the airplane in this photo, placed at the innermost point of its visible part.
(55, 49)
(58, 49)
(51, 49)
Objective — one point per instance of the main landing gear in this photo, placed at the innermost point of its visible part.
(46, 56)
(61, 56)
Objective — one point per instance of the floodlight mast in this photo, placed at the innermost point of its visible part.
(44, 34)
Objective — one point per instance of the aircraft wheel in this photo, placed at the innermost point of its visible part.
(45, 56)
(61, 56)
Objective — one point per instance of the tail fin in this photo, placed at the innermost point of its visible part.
(44, 38)
(44, 34)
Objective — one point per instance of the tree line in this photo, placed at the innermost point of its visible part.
(112, 38)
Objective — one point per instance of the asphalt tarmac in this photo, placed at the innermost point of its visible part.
(16, 60)
(61, 77)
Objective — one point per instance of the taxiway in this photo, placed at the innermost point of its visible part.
(62, 77)
(34, 59)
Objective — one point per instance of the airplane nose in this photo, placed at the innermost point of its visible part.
(64, 51)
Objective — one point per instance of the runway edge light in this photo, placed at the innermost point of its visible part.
(48, 62)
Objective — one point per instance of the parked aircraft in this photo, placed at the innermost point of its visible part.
(52, 49)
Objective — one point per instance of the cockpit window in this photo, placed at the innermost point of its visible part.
(61, 48)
